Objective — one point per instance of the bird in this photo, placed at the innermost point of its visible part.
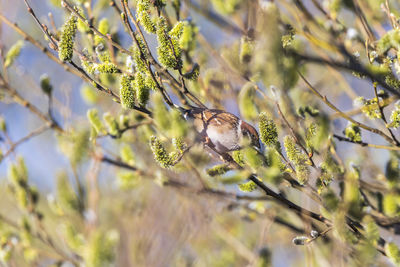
(221, 130)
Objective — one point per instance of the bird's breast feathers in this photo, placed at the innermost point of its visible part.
(219, 126)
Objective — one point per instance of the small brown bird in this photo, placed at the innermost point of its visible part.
(220, 129)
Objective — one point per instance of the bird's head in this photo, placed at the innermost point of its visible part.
(249, 132)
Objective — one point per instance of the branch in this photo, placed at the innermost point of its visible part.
(34, 133)
(41, 47)
(344, 115)
(130, 127)
(70, 8)
(165, 95)
(383, 114)
(44, 240)
(25, 103)
(83, 74)
(177, 85)
(345, 139)
(41, 26)
(288, 204)
(353, 66)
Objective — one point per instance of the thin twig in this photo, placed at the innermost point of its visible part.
(345, 139)
(344, 115)
(127, 128)
(353, 66)
(25, 103)
(159, 68)
(68, 6)
(41, 26)
(383, 114)
(294, 135)
(32, 134)
(42, 239)
(165, 95)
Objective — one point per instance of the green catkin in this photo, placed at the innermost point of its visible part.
(13, 53)
(127, 92)
(246, 102)
(142, 91)
(101, 248)
(140, 65)
(81, 25)
(104, 28)
(353, 132)
(160, 153)
(253, 158)
(288, 38)
(73, 238)
(351, 193)
(395, 117)
(187, 41)
(393, 253)
(124, 121)
(329, 168)
(268, 131)
(143, 10)
(45, 84)
(89, 95)
(303, 111)
(75, 146)
(18, 173)
(179, 144)
(390, 205)
(226, 7)
(392, 171)
(112, 124)
(93, 117)
(249, 186)
(65, 194)
(127, 155)
(3, 124)
(310, 136)
(137, 53)
(105, 68)
(218, 170)
(169, 51)
(390, 40)
(66, 44)
(371, 231)
(128, 180)
(392, 81)
(246, 50)
(369, 107)
(150, 83)
(177, 30)
(298, 158)
(87, 66)
(238, 157)
(194, 73)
